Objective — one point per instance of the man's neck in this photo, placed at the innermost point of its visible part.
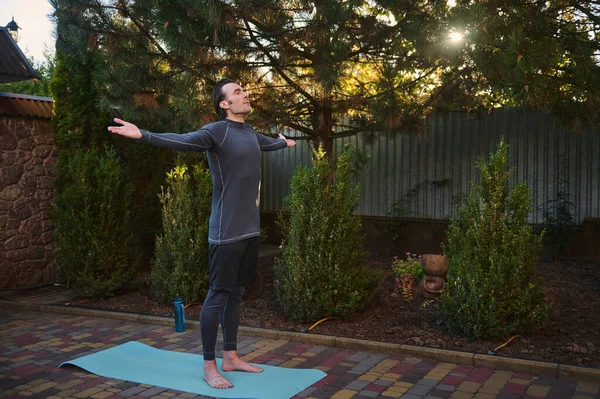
(236, 117)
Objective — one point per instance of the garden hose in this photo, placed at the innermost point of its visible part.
(502, 346)
(316, 324)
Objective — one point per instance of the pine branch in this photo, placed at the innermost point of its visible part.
(150, 37)
(276, 65)
(588, 12)
(288, 45)
(402, 85)
(352, 132)
(309, 132)
(448, 85)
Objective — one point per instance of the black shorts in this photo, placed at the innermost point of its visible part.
(233, 264)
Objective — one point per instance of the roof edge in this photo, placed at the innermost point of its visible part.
(25, 96)
(24, 60)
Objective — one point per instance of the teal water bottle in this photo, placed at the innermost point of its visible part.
(179, 315)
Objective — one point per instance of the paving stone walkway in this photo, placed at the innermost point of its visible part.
(33, 344)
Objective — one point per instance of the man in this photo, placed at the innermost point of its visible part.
(234, 153)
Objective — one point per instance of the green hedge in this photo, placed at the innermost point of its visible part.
(180, 263)
(322, 271)
(94, 255)
(492, 253)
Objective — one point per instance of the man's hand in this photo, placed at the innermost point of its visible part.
(128, 129)
(290, 143)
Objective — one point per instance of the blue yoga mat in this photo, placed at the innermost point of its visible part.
(136, 362)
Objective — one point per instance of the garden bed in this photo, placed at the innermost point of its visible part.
(570, 337)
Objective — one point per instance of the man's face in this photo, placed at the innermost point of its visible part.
(236, 100)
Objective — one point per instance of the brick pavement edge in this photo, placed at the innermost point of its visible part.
(554, 370)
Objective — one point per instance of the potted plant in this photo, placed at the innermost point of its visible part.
(407, 272)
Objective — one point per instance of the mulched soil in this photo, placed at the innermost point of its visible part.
(570, 337)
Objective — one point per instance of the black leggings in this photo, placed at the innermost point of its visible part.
(224, 307)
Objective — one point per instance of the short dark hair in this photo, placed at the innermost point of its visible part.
(218, 96)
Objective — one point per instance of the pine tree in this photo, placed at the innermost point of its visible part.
(331, 69)
(308, 65)
(530, 53)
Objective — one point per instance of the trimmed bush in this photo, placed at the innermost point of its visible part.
(180, 263)
(322, 271)
(492, 253)
(94, 255)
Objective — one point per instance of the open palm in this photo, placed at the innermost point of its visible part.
(128, 129)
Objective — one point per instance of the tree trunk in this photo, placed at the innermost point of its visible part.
(323, 126)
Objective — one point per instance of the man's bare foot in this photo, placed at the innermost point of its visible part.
(212, 376)
(232, 362)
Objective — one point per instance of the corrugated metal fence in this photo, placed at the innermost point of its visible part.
(426, 177)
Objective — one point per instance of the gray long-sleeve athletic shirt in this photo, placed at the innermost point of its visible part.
(234, 154)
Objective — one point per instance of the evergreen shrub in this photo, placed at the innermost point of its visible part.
(180, 263)
(322, 271)
(94, 255)
(492, 253)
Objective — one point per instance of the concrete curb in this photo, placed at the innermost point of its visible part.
(554, 370)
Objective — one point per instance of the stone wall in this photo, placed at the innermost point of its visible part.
(27, 169)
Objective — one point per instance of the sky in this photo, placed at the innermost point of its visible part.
(36, 27)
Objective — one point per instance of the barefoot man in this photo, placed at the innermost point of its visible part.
(234, 152)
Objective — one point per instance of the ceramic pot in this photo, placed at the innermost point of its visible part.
(435, 265)
(432, 286)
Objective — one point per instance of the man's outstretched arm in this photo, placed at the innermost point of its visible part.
(267, 143)
(199, 140)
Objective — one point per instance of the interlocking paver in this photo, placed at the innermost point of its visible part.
(444, 387)
(369, 394)
(440, 394)
(358, 385)
(588, 387)
(102, 395)
(428, 382)
(411, 396)
(344, 394)
(33, 344)
(515, 388)
(461, 395)
(468, 386)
